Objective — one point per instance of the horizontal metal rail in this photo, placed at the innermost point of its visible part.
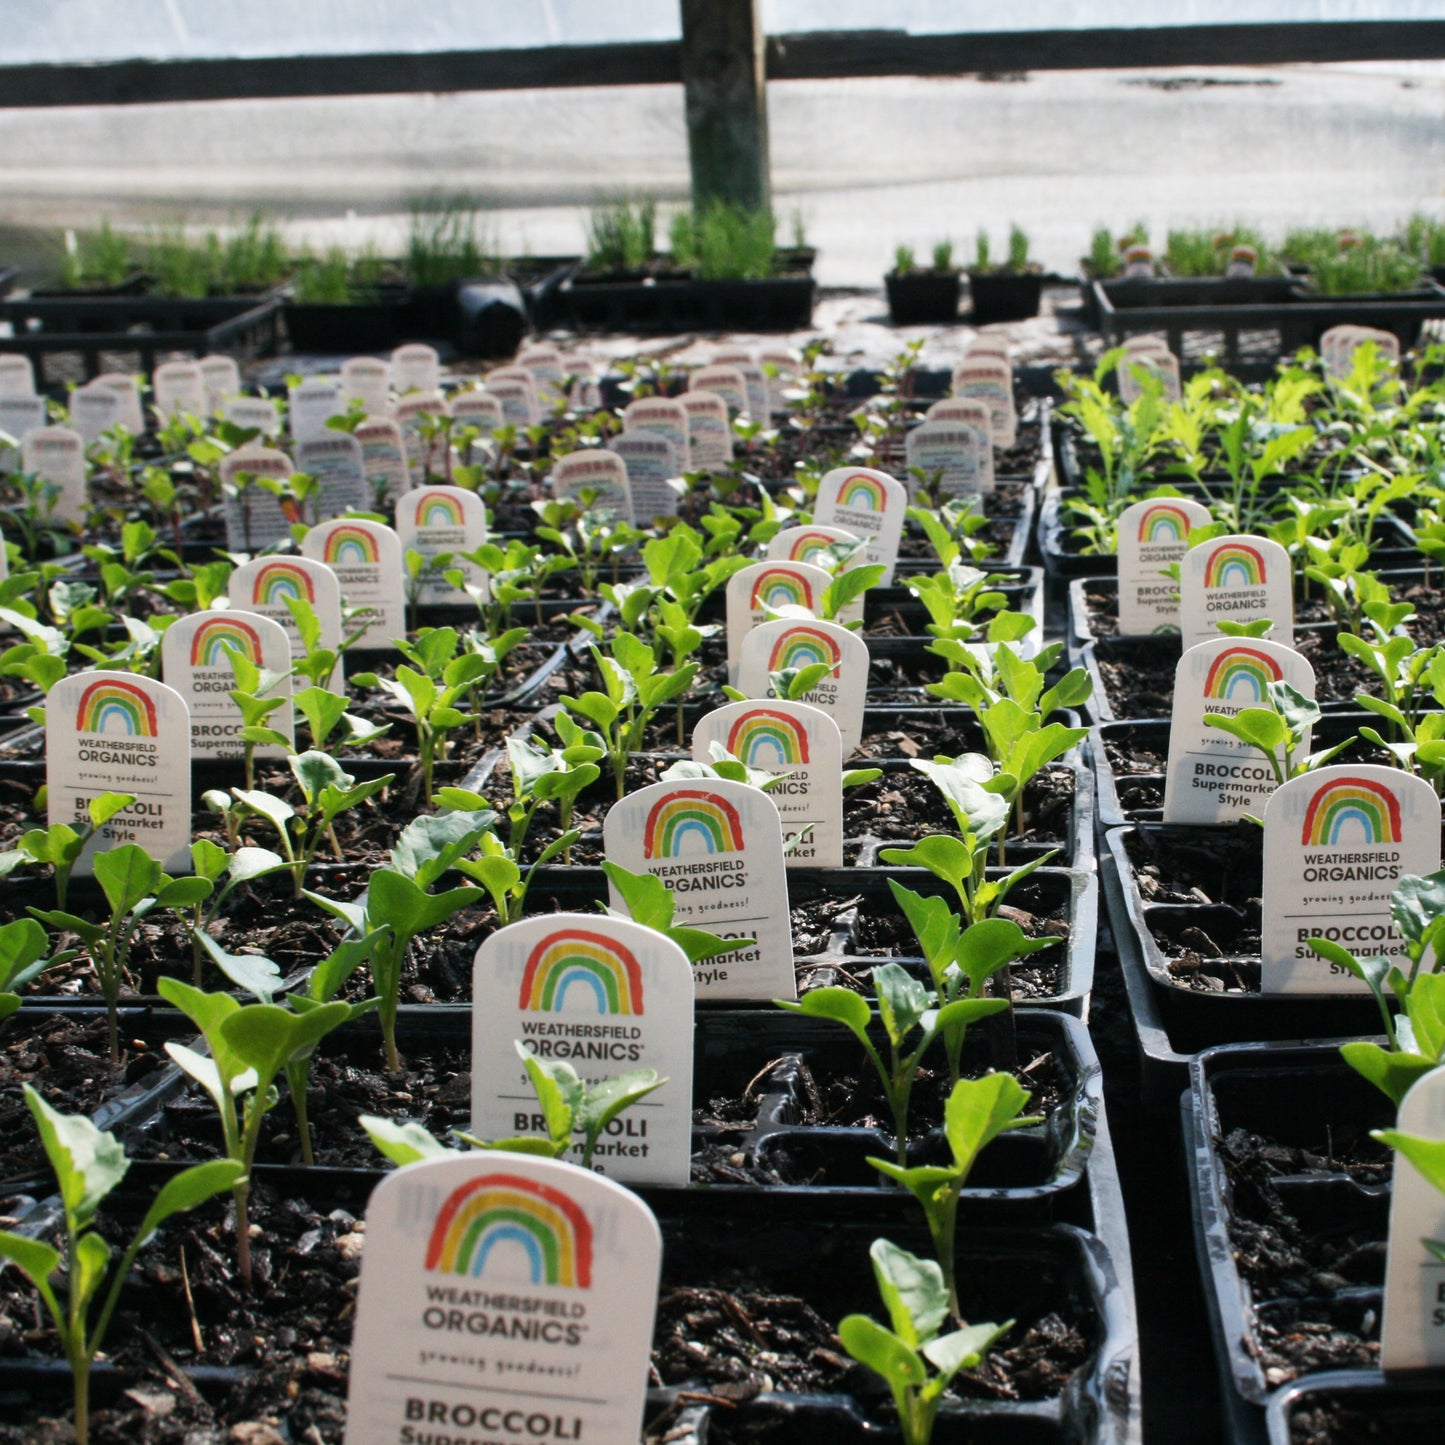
(821, 55)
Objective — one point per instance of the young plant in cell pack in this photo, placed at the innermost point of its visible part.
(88, 1165)
(914, 1357)
(32, 514)
(1411, 1000)
(1408, 676)
(328, 722)
(649, 901)
(952, 531)
(41, 660)
(226, 871)
(23, 947)
(591, 537)
(1428, 1156)
(256, 697)
(518, 572)
(1278, 731)
(60, 844)
(904, 1005)
(1249, 464)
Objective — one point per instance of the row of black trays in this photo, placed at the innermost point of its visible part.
(925, 297)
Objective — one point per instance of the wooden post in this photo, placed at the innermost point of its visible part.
(727, 109)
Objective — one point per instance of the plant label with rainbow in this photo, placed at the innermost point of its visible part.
(503, 1298)
(786, 370)
(549, 371)
(1339, 344)
(760, 407)
(480, 409)
(801, 741)
(19, 415)
(1159, 362)
(416, 367)
(56, 454)
(366, 557)
(312, 402)
(605, 995)
(94, 409)
(263, 584)
(969, 411)
(951, 448)
(1412, 1321)
(222, 378)
(383, 461)
(516, 388)
(1239, 578)
(425, 455)
(132, 413)
(253, 413)
(719, 847)
(596, 469)
(254, 518)
(651, 462)
(335, 460)
(366, 382)
(1336, 843)
(119, 732)
(439, 524)
(724, 381)
(754, 589)
(666, 417)
(811, 543)
(17, 376)
(195, 661)
(989, 379)
(179, 389)
(1212, 777)
(787, 645)
(869, 504)
(709, 431)
(1153, 536)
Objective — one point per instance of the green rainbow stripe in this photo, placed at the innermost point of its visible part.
(436, 509)
(778, 587)
(1235, 564)
(1163, 523)
(116, 707)
(764, 738)
(800, 647)
(600, 967)
(216, 634)
(1351, 810)
(350, 546)
(1241, 670)
(864, 493)
(689, 814)
(277, 581)
(493, 1219)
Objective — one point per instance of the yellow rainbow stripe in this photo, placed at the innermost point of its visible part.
(778, 587)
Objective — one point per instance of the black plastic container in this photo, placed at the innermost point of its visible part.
(920, 298)
(1003, 296)
(1361, 1401)
(667, 307)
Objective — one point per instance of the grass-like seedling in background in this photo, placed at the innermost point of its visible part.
(725, 241)
(621, 235)
(88, 1165)
(96, 258)
(446, 241)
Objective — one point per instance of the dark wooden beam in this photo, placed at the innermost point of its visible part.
(726, 98)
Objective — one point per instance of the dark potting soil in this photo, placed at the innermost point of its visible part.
(1326, 1419)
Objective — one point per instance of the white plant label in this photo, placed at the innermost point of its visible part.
(755, 382)
(505, 1299)
(17, 376)
(56, 454)
(605, 995)
(753, 589)
(312, 403)
(1138, 263)
(335, 460)
(366, 557)
(718, 846)
(651, 462)
(724, 381)
(94, 410)
(222, 378)
(869, 504)
(1152, 536)
(516, 389)
(132, 414)
(804, 743)
(991, 346)
(441, 523)
(969, 412)
(776, 646)
(383, 460)
(956, 451)
(479, 409)
(990, 380)
(263, 584)
(1212, 777)
(195, 661)
(1153, 341)
(180, 388)
(424, 454)
(598, 470)
(1339, 344)
(666, 417)
(416, 367)
(18, 414)
(586, 393)
(548, 372)
(119, 732)
(254, 413)
(1163, 364)
(785, 368)
(254, 518)
(709, 432)
(812, 543)
(1412, 1325)
(1238, 578)
(1336, 843)
(1241, 264)
(366, 382)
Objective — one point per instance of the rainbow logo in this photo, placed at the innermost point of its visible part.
(498, 1218)
(1241, 671)
(808, 546)
(119, 707)
(350, 545)
(691, 813)
(436, 509)
(606, 970)
(764, 738)
(1351, 810)
(216, 634)
(801, 647)
(780, 588)
(277, 581)
(1163, 523)
(1234, 565)
(864, 493)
